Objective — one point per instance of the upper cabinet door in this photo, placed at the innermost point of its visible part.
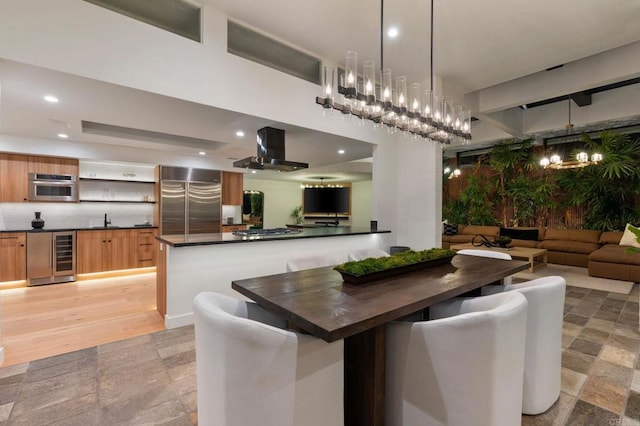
(14, 175)
(232, 188)
(53, 165)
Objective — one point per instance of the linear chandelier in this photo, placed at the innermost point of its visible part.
(582, 158)
(423, 114)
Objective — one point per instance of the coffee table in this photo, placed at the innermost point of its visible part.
(536, 257)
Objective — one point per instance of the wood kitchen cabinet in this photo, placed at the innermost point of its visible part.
(115, 249)
(53, 165)
(232, 188)
(15, 169)
(14, 173)
(13, 256)
(106, 250)
(147, 246)
(231, 228)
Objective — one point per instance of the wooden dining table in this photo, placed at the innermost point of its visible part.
(318, 302)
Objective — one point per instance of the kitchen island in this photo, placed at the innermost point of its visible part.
(189, 264)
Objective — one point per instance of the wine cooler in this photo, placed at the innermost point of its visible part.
(51, 257)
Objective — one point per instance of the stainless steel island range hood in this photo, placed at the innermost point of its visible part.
(270, 153)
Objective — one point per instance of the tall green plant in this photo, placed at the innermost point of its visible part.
(477, 199)
(607, 191)
(455, 211)
(509, 160)
(532, 197)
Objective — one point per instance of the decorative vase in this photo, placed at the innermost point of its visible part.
(37, 223)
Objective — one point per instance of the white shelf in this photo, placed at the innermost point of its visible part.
(116, 190)
(106, 170)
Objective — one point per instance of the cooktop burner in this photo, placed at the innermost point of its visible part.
(263, 232)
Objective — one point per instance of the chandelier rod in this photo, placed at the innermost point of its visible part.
(431, 52)
(381, 35)
(569, 125)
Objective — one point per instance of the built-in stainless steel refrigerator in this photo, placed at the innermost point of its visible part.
(190, 200)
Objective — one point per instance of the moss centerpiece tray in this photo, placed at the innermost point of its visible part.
(373, 269)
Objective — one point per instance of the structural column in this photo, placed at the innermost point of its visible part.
(407, 190)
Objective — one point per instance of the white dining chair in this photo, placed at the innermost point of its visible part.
(491, 254)
(366, 253)
(462, 370)
(249, 371)
(543, 358)
(310, 262)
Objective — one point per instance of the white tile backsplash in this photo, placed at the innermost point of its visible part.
(18, 216)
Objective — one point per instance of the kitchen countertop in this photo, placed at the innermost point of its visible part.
(110, 228)
(228, 237)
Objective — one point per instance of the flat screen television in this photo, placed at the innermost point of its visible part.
(326, 200)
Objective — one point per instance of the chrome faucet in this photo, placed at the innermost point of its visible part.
(107, 221)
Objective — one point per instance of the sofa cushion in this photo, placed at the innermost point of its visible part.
(582, 235)
(614, 253)
(520, 233)
(524, 243)
(488, 231)
(568, 246)
(628, 237)
(449, 229)
(460, 238)
(610, 237)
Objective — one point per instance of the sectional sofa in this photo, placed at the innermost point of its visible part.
(598, 251)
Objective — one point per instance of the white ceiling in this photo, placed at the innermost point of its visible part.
(477, 44)
(25, 113)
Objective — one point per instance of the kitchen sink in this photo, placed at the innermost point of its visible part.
(104, 227)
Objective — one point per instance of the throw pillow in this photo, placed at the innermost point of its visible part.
(449, 229)
(629, 237)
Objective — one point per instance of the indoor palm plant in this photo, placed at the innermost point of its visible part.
(508, 160)
(608, 191)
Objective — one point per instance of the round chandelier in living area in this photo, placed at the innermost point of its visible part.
(420, 113)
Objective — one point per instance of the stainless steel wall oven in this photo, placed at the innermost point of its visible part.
(50, 187)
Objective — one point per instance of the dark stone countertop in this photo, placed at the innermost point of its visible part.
(228, 237)
(101, 228)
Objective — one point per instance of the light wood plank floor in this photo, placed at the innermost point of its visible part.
(38, 322)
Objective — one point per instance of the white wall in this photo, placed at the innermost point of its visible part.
(18, 216)
(280, 198)
(191, 270)
(362, 204)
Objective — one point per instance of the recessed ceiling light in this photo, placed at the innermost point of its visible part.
(51, 98)
(341, 151)
(393, 32)
(202, 153)
(253, 171)
(63, 135)
(239, 133)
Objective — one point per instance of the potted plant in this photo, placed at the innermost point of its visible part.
(502, 241)
(297, 216)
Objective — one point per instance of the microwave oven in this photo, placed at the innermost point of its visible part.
(51, 187)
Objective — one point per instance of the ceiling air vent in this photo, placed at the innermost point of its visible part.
(178, 17)
(258, 48)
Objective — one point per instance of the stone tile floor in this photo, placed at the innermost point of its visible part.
(146, 380)
(600, 362)
(151, 379)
